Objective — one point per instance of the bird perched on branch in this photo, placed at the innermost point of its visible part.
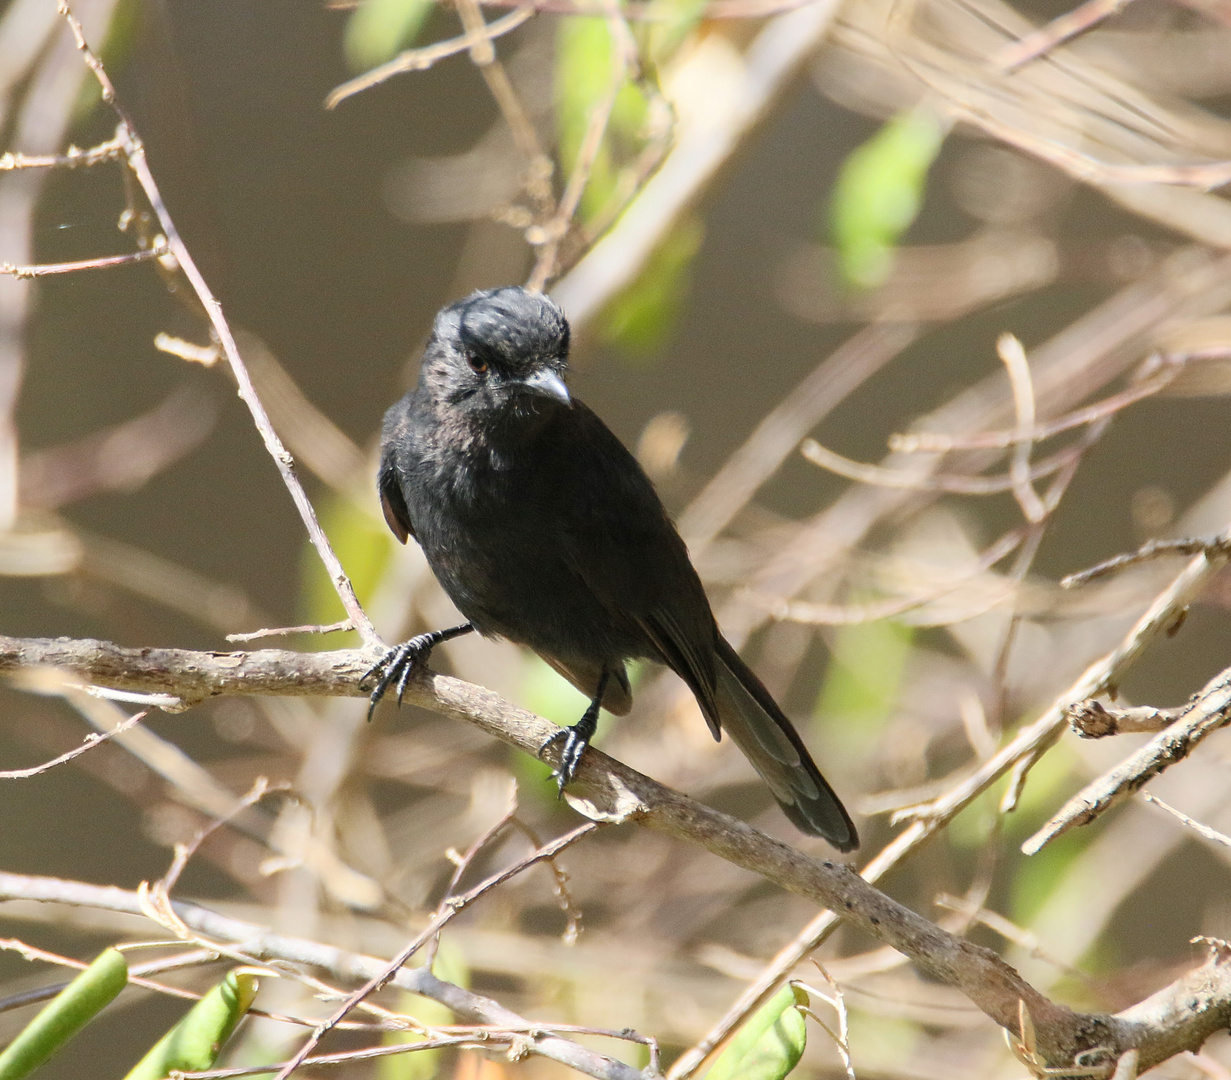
(543, 529)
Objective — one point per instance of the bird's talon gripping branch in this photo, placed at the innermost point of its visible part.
(575, 740)
(399, 663)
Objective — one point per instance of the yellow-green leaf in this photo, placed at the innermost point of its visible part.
(65, 1015)
(770, 1043)
(194, 1044)
(878, 193)
(378, 30)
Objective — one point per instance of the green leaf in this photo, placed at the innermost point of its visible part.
(770, 1043)
(638, 320)
(194, 1044)
(378, 30)
(584, 68)
(65, 1015)
(879, 191)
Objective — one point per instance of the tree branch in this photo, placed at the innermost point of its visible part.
(259, 943)
(1206, 713)
(1180, 1017)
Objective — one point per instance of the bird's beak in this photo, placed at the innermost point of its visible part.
(548, 384)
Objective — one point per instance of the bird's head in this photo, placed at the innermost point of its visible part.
(500, 351)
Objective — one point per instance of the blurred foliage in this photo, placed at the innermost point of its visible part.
(585, 67)
(879, 191)
(863, 680)
(770, 1043)
(378, 30)
(449, 965)
(639, 320)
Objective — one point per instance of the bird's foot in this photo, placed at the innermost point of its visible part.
(575, 740)
(399, 663)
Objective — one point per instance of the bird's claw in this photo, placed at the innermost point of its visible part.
(575, 743)
(396, 667)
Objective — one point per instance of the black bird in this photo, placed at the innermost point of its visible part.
(543, 529)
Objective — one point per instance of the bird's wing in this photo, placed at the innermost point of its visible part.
(690, 657)
(623, 546)
(392, 501)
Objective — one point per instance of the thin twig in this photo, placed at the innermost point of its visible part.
(623, 57)
(1196, 826)
(1060, 30)
(1011, 353)
(423, 58)
(1216, 548)
(934, 441)
(281, 631)
(1206, 713)
(92, 740)
(448, 911)
(72, 158)
(103, 263)
(923, 480)
(134, 151)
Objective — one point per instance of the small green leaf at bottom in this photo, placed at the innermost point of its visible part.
(770, 1043)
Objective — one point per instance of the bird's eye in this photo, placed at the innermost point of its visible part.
(477, 365)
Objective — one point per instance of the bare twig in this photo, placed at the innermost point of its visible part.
(450, 908)
(1061, 29)
(1094, 720)
(924, 441)
(72, 158)
(423, 58)
(1217, 548)
(102, 263)
(134, 152)
(923, 480)
(282, 631)
(1204, 715)
(1196, 826)
(91, 741)
(1010, 351)
(624, 59)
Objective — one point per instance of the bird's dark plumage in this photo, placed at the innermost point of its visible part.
(543, 529)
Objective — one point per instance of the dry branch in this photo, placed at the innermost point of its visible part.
(1206, 713)
(1174, 1019)
(258, 943)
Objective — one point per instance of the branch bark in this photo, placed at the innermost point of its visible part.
(1178, 1017)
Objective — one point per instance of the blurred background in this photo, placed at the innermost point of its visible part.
(889, 197)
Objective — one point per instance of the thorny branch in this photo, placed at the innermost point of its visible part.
(613, 792)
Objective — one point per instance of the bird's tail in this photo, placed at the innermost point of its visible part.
(758, 727)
